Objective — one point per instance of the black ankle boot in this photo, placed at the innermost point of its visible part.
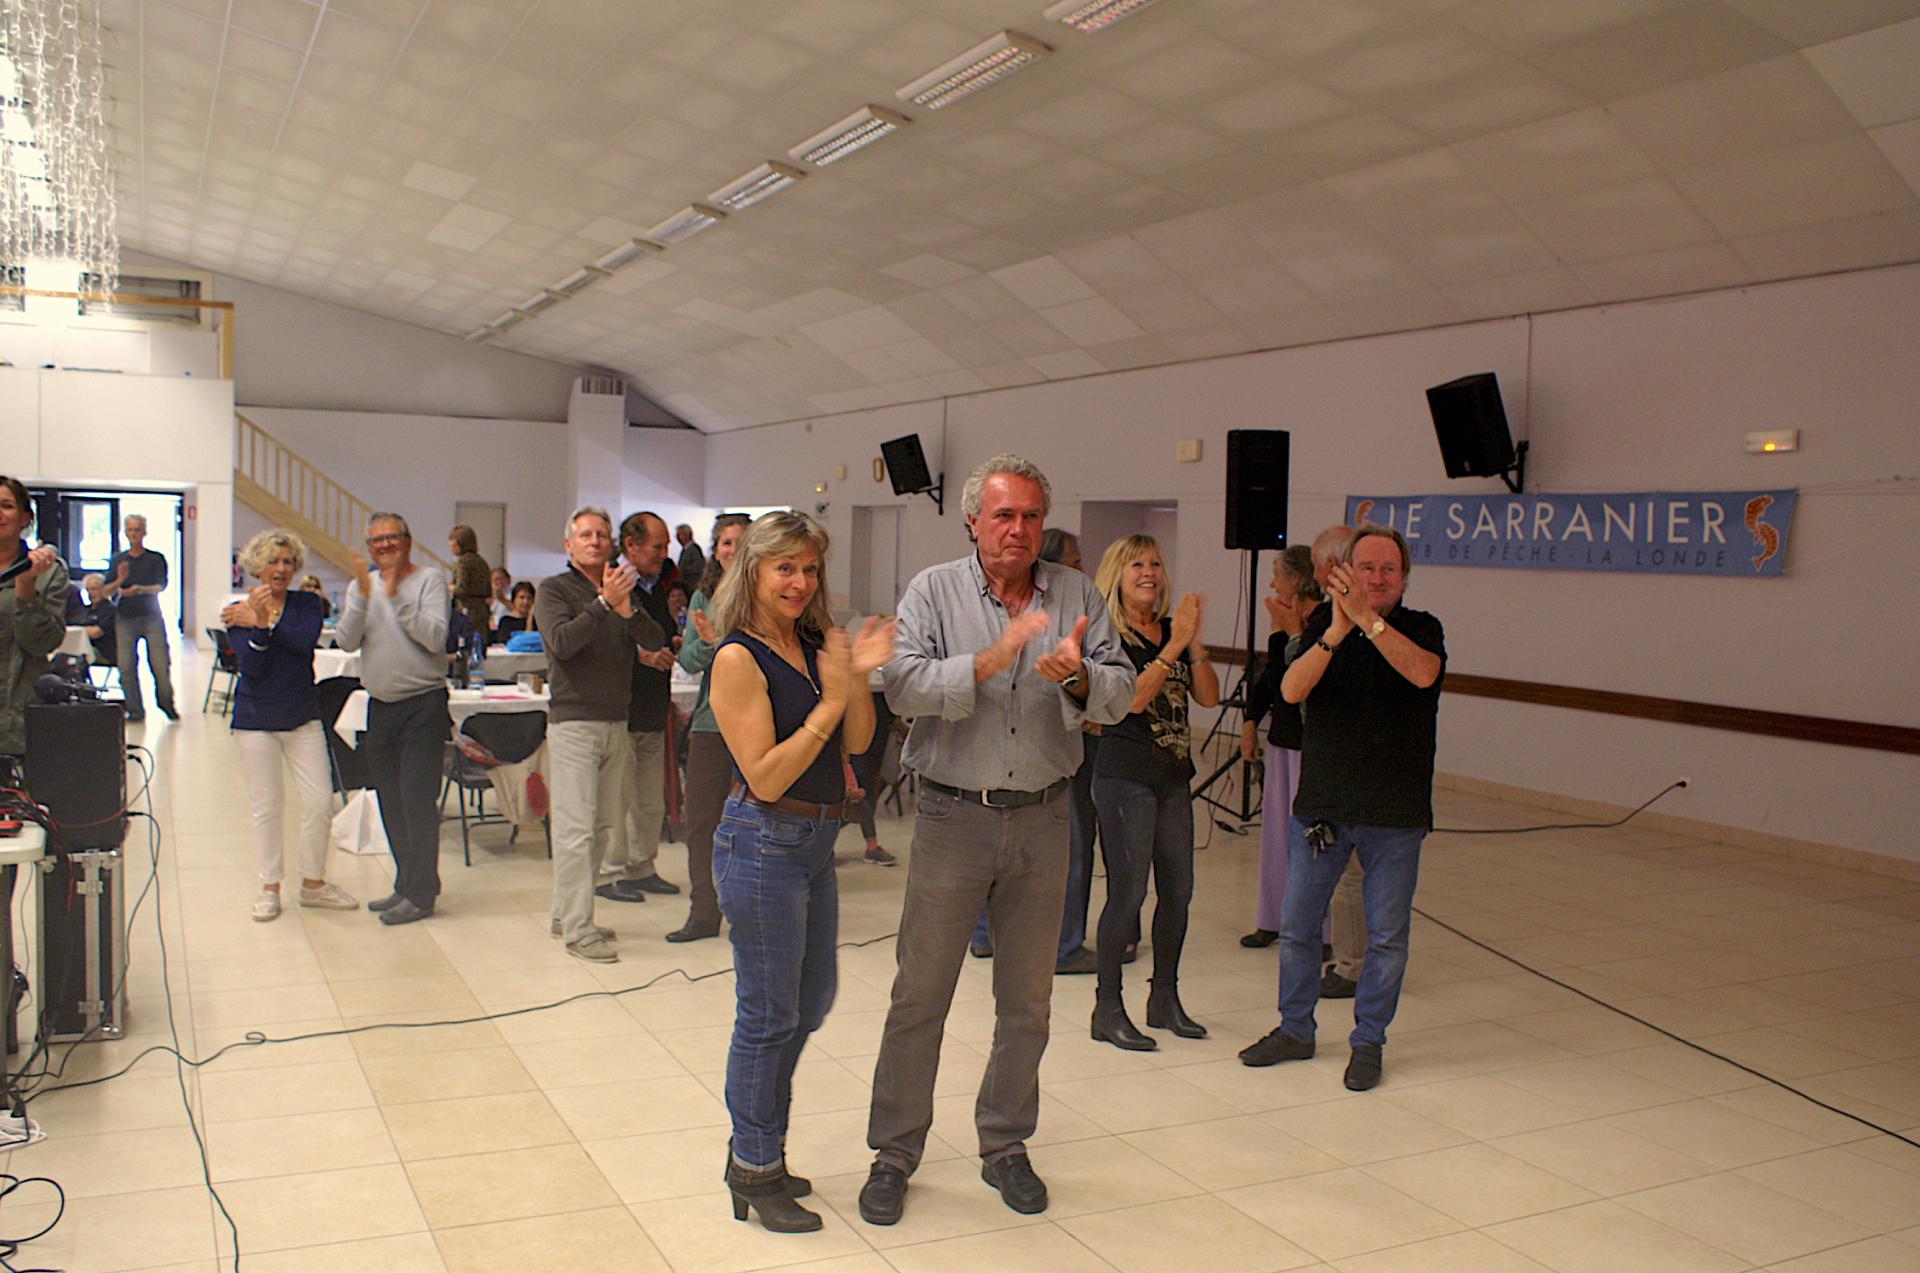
(1112, 1025)
(1165, 1013)
(797, 1186)
(766, 1193)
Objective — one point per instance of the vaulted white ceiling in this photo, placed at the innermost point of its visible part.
(1205, 178)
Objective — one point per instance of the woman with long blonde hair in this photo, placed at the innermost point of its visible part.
(1140, 786)
(790, 696)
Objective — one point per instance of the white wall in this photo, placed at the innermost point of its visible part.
(291, 351)
(1628, 397)
(666, 474)
(418, 466)
(156, 432)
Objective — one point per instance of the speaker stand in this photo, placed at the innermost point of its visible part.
(1247, 814)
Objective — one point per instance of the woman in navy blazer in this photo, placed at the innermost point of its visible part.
(276, 714)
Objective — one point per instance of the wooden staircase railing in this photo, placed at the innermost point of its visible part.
(289, 490)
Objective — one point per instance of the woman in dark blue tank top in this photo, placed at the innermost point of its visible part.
(782, 694)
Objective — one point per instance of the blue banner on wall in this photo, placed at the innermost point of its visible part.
(1740, 533)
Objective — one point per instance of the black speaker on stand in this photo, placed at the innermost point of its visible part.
(1259, 462)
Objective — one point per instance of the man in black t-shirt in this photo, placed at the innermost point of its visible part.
(1368, 680)
(138, 579)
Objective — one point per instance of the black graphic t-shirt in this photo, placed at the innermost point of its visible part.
(1153, 745)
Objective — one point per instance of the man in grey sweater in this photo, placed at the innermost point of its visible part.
(591, 629)
(399, 626)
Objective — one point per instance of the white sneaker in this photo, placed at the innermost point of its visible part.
(594, 947)
(329, 897)
(266, 906)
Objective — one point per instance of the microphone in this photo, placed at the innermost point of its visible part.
(17, 568)
(52, 689)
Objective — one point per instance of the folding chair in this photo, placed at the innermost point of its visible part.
(511, 737)
(226, 662)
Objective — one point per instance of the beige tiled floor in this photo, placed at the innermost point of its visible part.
(1520, 1127)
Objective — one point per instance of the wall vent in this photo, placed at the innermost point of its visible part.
(605, 386)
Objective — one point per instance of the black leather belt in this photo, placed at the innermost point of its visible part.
(998, 798)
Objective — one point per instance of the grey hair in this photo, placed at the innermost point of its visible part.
(134, 517)
(395, 518)
(260, 549)
(1330, 545)
(588, 510)
(1016, 465)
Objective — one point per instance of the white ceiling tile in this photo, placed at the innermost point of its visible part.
(1900, 143)
(1876, 73)
(927, 270)
(1065, 364)
(1208, 342)
(435, 180)
(1629, 220)
(1584, 150)
(1798, 185)
(1528, 293)
(1005, 375)
(1505, 95)
(1743, 111)
(1342, 145)
(351, 40)
(1042, 281)
(1094, 321)
(1125, 355)
(1167, 306)
(277, 62)
(922, 357)
(1884, 238)
(1672, 43)
(1690, 269)
(1804, 24)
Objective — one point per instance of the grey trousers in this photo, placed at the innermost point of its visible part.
(129, 633)
(965, 856)
(587, 768)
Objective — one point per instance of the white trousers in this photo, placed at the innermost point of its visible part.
(586, 773)
(305, 751)
(645, 799)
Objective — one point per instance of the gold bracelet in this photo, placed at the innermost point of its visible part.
(816, 731)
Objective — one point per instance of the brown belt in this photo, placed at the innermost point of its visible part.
(798, 808)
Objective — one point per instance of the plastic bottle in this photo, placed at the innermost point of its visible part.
(477, 661)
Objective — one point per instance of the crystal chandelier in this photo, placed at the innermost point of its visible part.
(56, 166)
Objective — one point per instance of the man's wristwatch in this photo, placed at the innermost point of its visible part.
(1072, 682)
(1375, 628)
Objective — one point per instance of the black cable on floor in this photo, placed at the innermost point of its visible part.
(1638, 1020)
(1563, 826)
(10, 1247)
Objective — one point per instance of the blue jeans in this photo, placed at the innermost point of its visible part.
(1082, 825)
(774, 874)
(1390, 856)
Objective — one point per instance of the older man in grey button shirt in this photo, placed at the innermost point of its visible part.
(999, 659)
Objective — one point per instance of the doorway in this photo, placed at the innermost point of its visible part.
(878, 547)
(1103, 521)
(489, 522)
(85, 526)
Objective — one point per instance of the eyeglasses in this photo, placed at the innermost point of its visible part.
(381, 541)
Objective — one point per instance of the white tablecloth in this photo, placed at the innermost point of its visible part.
(76, 643)
(501, 666)
(330, 663)
(352, 720)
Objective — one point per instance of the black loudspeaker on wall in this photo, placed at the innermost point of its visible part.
(1472, 425)
(1257, 462)
(77, 768)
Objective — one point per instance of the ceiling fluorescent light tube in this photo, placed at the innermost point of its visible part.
(686, 223)
(578, 281)
(537, 303)
(768, 179)
(626, 254)
(985, 63)
(482, 333)
(862, 128)
(1093, 15)
(512, 318)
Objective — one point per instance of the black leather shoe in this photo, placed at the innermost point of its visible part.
(388, 902)
(1363, 1067)
(1131, 953)
(653, 884)
(1260, 939)
(1276, 1047)
(1334, 986)
(1165, 1013)
(166, 710)
(405, 912)
(1019, 1187)
(620, 891)
(694, 930)
(1079, 963)
(883, 1199)
(1111, 1024)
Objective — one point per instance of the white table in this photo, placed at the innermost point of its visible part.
(352, 720)
(501, 666)
(76, 642)
(24, 849)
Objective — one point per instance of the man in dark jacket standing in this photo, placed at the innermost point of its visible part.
(643, 538)
(591, 629)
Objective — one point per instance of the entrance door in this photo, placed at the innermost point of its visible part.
(489, 522)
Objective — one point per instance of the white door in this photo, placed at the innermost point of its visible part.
(876, 583)
(489, 522)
